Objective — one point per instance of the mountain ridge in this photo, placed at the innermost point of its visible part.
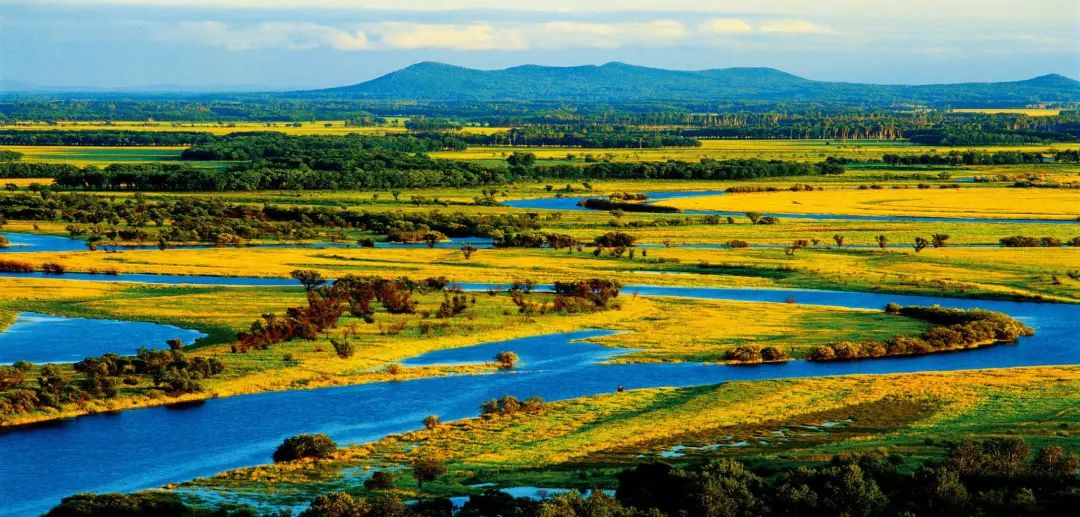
(621, 82)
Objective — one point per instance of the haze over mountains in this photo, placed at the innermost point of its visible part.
(615, 83)
(620, 82)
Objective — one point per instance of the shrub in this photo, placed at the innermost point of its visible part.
(380, 480)
(506, 360)
(93, 505)
(431, 422)
(744, 354)
(736, 243)
(616, 239)
(772, 353)
(305, 446)
(14, 266)
(52, 268)
(344, 348)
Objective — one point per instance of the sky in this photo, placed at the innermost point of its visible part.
(289, 44)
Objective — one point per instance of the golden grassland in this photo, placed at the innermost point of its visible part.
(1031, 112)
(1030, 203)
(581, 442)
(1033, 273)
(799, 150)
(677, 334)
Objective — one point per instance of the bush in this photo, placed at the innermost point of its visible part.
(772, 353)
(616, 239)
(344, 348)
(121, 505)
(506, 360)
(52, 268)
(14, 266)
(305, 446)
(736, 243)
(380, 480)
(744, 354)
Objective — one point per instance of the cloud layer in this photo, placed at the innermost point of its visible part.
(478, 36)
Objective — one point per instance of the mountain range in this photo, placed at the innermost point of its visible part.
(620, 82)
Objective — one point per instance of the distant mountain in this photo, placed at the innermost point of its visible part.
(620, 82)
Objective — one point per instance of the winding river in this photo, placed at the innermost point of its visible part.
(31, 243)
(153, 446)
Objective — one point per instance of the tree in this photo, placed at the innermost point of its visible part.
(1055, 463)
(939, 240)
(520, 159)
(309, 278)
(882, 241)
(506, 360)
(921, 244)
(431, 422)
(839, 240)
(468, 249)
(754, 217)
(305, 446)
(428, 467)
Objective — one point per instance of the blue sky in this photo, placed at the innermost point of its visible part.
(316, 43)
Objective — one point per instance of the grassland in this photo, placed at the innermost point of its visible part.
(81, 156)
(581, 443)
(798, 150)
(1002, 203)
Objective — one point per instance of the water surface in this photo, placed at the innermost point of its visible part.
(44, 338)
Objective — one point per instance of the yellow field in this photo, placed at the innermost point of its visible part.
(1011, 203)
(1031, 112)
(26, 182)
(801, 150)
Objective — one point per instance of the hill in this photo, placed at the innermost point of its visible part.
(620, 82)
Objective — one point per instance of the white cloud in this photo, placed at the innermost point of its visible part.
(725, 26)
(285, 35)
(475, 36)
(478, 36)
(563, 34)
(796, 27)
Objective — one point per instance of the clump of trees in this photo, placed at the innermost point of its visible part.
(326, 304)
(1023, 241)
(171, 371)
(953, 329)
(585, 295)
(510, 405)
(302, 446)
(749, 354)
